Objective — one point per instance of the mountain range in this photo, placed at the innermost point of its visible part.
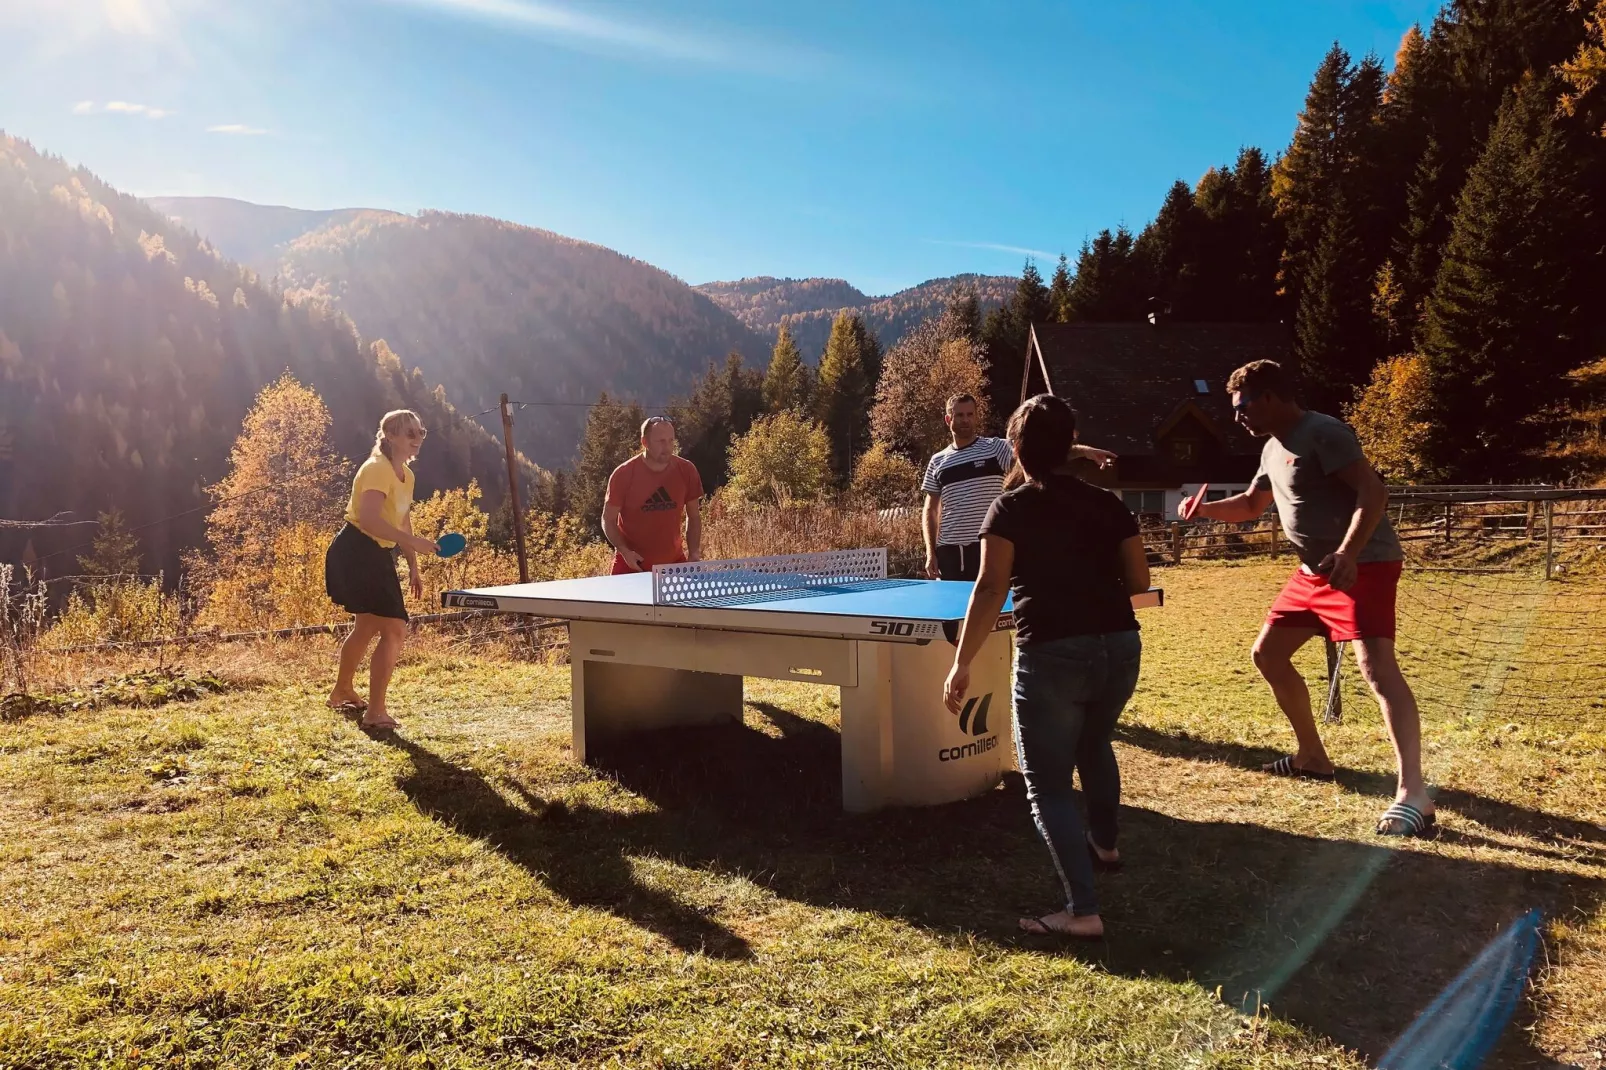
(484, 306)
(134, 335)
(807, 306)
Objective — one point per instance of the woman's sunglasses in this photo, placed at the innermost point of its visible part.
(417, 433)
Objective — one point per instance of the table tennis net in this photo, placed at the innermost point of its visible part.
(748, 579)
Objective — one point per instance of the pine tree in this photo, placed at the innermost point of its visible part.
(612, 436)
(1499, 330)
(962, 315)
(1004, 337)
(1585, 72)
(703, 425)
(843, 393)
(1109, 281)
(1307, 176)
(786, 382)
(1252, 229)
(1059, 292)
(721, 406)
(1365, 179)
(115, 549)
(1003, 340)
(1167, 252)
(1333, 337)
(1420, 243)
(1031, 303)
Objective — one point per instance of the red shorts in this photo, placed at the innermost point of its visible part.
(1365, 611)
(622, 568)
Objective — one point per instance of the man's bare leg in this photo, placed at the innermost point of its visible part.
(1381, 670)
(1274, 653)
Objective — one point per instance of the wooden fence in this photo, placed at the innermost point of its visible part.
(1448, 515)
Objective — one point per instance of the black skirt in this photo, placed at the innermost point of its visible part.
(360, 575)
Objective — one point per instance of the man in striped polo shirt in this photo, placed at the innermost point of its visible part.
(960, 484)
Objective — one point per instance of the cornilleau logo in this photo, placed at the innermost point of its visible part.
(973, 718)
(972, 722)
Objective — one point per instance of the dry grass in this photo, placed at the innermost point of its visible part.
(734, 530)
(247, 880)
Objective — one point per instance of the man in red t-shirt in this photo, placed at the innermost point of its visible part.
(648, 496)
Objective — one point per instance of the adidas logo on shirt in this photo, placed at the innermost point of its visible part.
(658, 501)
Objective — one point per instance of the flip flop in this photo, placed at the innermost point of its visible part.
(1414, 823)
(1045, 929)
(357, 705)
(1285, 766)
(1100, 864)
(389, 724)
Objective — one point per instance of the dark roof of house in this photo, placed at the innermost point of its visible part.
(1127, 381)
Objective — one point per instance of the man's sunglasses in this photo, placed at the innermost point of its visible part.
(1243, 402)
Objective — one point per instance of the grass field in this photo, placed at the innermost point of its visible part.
(249, 880)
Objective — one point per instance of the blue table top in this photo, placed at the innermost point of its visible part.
(937, 600)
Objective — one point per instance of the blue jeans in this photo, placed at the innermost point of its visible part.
(1068, 695)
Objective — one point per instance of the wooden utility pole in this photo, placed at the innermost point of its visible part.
(513, 491)
(1550, 538)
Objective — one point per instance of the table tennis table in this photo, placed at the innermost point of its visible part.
(671, 647)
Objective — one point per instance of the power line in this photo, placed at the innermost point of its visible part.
(342, 463)
(577, 405)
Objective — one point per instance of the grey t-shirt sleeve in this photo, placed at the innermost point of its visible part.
(1335, 446)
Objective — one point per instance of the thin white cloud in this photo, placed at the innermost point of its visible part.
(1018, 250)
(119, 107)
(236, 128)
(587, 31)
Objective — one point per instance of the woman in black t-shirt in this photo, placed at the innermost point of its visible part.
(1071, 554)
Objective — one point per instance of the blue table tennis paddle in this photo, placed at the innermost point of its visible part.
(450, 544)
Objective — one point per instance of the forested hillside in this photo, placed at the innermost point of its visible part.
(808, 306)
(487, 306)
(1434, 234)
(254, 235)
(130, 352)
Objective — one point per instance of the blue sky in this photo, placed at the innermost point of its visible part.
(884, 143)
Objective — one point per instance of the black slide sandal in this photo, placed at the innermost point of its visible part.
(1414, 822)
(1285, 766)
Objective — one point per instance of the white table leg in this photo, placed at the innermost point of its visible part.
(612, 699)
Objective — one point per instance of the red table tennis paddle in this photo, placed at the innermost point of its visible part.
(1191, 505)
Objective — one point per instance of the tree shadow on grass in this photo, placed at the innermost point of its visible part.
(580, 853)
(1349, 939)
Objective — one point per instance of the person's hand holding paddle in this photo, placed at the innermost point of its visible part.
(419, 545)
(1190, 506)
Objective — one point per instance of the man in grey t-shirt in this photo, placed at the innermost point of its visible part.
(1334, 509)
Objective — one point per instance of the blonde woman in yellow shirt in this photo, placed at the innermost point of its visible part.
(360, 567)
